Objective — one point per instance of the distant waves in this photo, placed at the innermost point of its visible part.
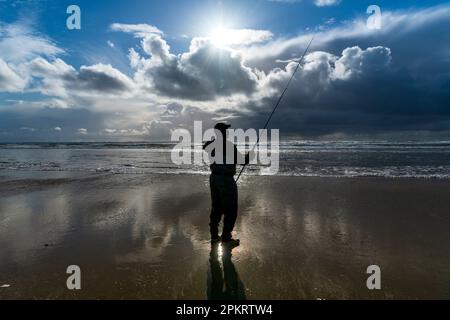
(297, 158)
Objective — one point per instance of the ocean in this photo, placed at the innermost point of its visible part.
(296, 158)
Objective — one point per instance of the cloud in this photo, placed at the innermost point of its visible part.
(324, 3)
(28, 129)
(60, 79)
(356, 61)
(139, 30)
(19, 43)
(318, 3)
(399, 27)
(202, 73)
(286, 1)
(82, 131)
(9, 80)
(356, 93)
(158, 130)
(321, 72)
(184, 116)
(99, 78)
(240, 36)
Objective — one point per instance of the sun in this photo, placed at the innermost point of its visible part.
(222, 36)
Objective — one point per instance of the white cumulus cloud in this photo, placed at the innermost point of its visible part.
(139, 30)
(324, 3)
(82, 131)
(10, 81)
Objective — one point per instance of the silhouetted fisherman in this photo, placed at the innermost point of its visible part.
(224, 195)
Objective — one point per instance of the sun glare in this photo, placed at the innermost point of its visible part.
(222, 37)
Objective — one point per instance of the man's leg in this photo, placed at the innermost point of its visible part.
(231, 207)
(216, 213)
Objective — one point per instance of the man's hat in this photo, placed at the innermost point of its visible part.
(221, 126)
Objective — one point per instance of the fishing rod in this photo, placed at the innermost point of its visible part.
(278, 102)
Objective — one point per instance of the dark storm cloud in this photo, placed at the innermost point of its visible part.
(385, 100)
(408, 92)
(203, 73)
(99, 78)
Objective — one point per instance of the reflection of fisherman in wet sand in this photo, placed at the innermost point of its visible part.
(226, 286)
(224, 194)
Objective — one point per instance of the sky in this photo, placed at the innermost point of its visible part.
(137, 70)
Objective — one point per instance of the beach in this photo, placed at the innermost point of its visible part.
(325, 125)
(146, 236)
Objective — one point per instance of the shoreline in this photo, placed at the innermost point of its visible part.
(28, 179)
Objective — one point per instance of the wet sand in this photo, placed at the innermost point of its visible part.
(146, 237)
